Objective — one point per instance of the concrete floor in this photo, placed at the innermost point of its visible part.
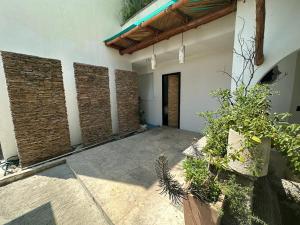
(51, 197)
(119, 176)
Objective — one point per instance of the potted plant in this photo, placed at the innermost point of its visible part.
(238, 136)
(242, 131)
(205, 194)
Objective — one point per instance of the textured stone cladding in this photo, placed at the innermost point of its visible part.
(173, 93)
(93, 97)
(127, 101)
(37, 100)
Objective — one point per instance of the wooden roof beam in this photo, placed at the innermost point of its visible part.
(260, 32)
(152, 29)
(115, 46)
(130, 41)
(192, 24)
(182, 16)
(148, 22)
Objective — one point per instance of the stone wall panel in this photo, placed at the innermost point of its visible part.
(127, 101)
(37, 100)
(93, 96)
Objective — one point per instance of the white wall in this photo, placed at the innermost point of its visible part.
(199, 76)
(208, 50)
(282, 33)
(71, 31)
(281, 44)
(146, 94)
(284, 85)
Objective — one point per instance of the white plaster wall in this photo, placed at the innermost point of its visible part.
(208, 50)
(282, 33)
(199, 76)
(146, 94)
(71, 31)
(7, 134)
(282, 102)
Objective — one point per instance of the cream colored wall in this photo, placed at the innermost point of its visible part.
(208, 50)
(71, 31)
(285, 84)
(281, 44)
(282, 33)
(199, 76)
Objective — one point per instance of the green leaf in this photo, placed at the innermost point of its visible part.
(256, 139)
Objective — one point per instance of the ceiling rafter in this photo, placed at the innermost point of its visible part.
(182, 16)
(169, 33)
(130, 41)
(148, 22)
(152, 29)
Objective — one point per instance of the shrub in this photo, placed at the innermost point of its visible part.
(203, 184)
(249, 114)
(130, 7)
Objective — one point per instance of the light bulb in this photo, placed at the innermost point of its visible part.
(153, 62)
(181, 54)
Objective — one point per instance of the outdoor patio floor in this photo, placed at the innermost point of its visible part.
(50, 197)
(120, 178)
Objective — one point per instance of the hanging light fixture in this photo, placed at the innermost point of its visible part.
(181, 55)
(153, 60)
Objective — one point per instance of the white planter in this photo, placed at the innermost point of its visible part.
(195, 150)
(255, 158)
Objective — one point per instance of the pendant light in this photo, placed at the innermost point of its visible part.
(153, 60)
(181, 55)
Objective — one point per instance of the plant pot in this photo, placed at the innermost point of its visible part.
(255, 162)
(195, 150)
(201, 213)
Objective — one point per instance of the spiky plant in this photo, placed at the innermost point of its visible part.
(167, 183)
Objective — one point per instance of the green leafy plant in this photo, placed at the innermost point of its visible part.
(249, 115)
(207, 187)
(247, 110)
(203, 184)
(130, 7)
(236, 200)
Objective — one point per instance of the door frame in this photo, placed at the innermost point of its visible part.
(179, 94)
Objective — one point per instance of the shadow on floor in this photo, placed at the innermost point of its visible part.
(42, 215)
(131, 160)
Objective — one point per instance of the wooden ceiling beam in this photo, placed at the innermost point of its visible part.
(260, 31)
(131, 41)
(150, 21)
(182, 16)
(152, 29)
(192, 24)
(115, 46)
